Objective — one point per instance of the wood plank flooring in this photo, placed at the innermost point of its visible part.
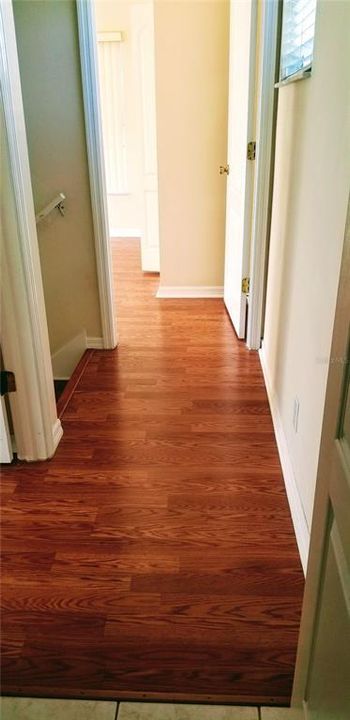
(154, 555)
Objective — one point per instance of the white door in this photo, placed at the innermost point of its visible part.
(6, 454)
(143, 30)
(322, 681)
(241, 170)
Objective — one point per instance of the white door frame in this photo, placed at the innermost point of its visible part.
(266, 118)
(6, 451)
(94, 141)
(25, 341)
(240, 180)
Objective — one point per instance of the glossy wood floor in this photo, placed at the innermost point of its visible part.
(154, 555)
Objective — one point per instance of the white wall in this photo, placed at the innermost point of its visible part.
(311, 189)
(126, 211)
(192, 87)
(48, 50)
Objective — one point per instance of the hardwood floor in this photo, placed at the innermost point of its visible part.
(154, 555)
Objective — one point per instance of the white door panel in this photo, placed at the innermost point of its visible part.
(143, 26)
(322, 679)
(241, 176)
(329, 682)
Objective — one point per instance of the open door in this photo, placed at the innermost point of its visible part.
(240, 169)
(322, 680)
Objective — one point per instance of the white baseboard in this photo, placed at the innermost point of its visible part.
(57, 433)
(190, 291)
(301, 529)
(121, 233)
(66, 358)
(94, 343)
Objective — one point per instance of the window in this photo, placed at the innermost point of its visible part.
(298, 26)
(113, 110)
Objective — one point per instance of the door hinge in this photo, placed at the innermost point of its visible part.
(7, 382)
(245, 285)
(251, 150)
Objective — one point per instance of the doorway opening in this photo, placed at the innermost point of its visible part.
(126, 72)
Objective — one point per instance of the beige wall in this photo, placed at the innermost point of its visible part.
(51, 84)
(126, 211)
(308, 221)
(192, 85)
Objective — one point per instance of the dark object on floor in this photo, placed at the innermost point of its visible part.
(59, 387)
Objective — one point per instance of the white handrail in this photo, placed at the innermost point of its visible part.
(57, 202)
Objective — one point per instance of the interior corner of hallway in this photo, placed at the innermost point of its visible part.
(311, 189)
(191, 38)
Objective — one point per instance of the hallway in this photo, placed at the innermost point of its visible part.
(154, 555)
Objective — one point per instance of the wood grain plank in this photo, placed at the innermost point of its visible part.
(154, 556)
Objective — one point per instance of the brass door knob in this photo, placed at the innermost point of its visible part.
(224, 169)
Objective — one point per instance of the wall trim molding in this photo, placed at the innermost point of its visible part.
(95, 343)
(57, 433)
(65, 359)
(301, 529)
(93, 127)
(121, 233)
(190, 291)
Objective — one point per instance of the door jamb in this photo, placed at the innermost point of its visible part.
(263, 178)
(94, 141)
(25, 340)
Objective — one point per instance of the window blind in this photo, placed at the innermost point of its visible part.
(298, 25)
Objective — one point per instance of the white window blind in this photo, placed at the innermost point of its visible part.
(111, 72)
(298, 25)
